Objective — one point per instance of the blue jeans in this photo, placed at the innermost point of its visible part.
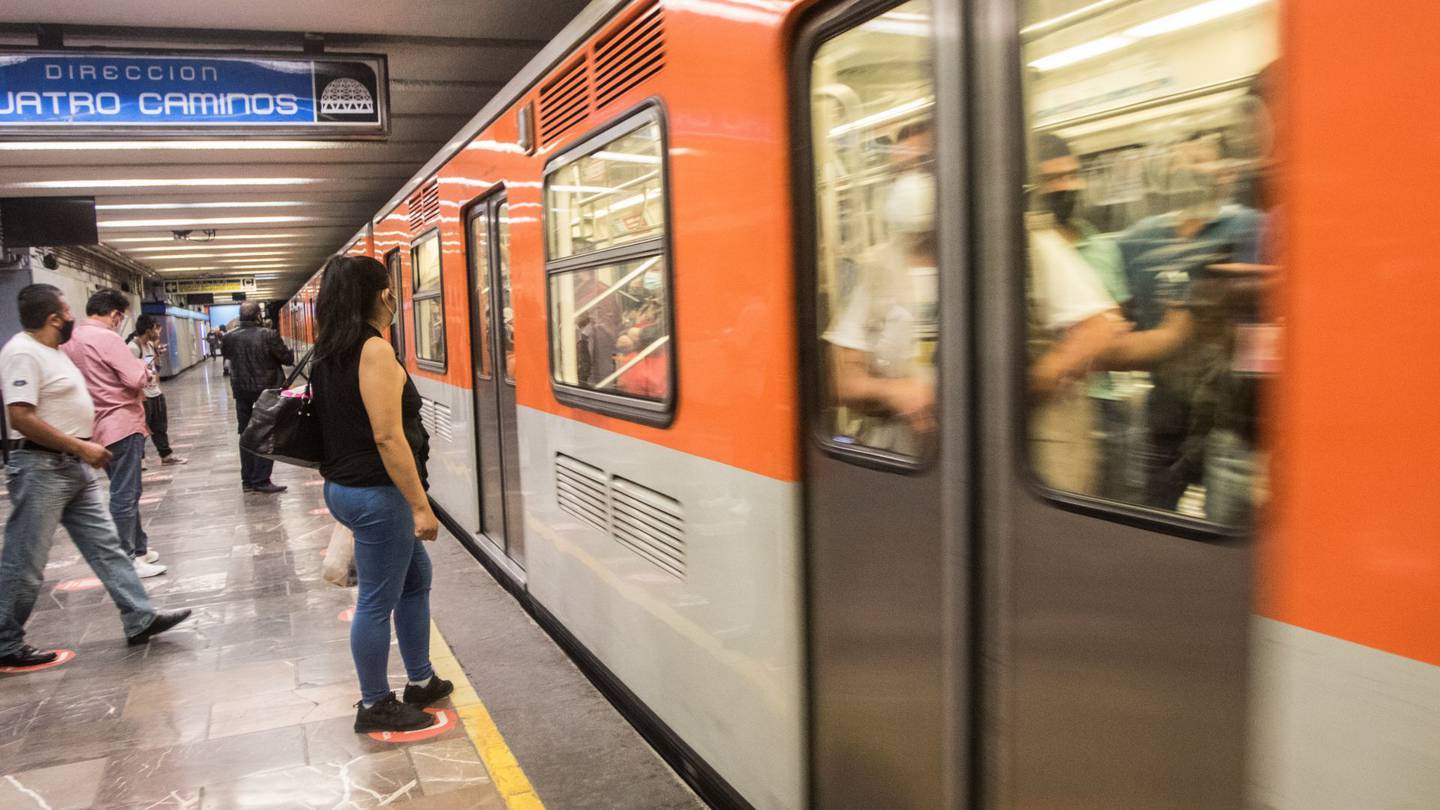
(47, 490)
(394, 576)
(254, 470)
(125, 488)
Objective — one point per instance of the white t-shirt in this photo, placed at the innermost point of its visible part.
(38, 375)
(147, 354)
(891, 315)
(1065, 289)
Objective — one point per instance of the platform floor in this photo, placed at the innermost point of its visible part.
(249, 704)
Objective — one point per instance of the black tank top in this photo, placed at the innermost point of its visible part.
(351, 457)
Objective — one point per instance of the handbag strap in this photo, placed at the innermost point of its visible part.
(297, 372)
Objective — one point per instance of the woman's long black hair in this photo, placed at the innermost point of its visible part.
(348, 290)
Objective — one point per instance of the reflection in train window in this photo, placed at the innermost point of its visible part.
(617, 337)
(1150, 250)
(609, 280)
(428, 306)
(612, 196)
(397, 331)
(872, 94)
(507, 311)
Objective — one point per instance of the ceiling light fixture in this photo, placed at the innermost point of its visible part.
(185, 250)
(170, 182)
(255, 236)
(161, 146)
(185, 257)
(177, 206)
(165, 223)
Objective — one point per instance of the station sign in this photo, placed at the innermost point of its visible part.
(245, 284)
(98, 94)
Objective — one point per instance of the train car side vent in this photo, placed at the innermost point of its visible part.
(580, 490)
(425, 205)
(650, 524)
(564, 100)
(629, 55)
(442, 425)
(427, 415)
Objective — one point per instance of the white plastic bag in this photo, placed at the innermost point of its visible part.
(339, 567)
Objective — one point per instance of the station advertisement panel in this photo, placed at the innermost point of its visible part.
(99, 94)
(245, 284)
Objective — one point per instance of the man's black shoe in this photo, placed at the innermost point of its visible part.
(390, 714)
(28, 656)
(423, 696)
(266, 488)
(163, 621)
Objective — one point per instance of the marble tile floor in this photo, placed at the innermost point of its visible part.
(249, 704)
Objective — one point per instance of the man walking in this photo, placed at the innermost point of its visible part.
(51, 415)
(256, 356)
(117, 380)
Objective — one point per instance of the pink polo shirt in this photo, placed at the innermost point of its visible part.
(116, 379)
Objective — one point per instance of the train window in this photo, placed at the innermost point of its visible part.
(614, 195)
(1149, 250)
(397, 331)
(872, 91)
(609, 279)
(480, 254)
(427, 301)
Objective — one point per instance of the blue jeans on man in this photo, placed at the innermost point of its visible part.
(125, 488)
(254, 470)
(393, 570)
(49, 490)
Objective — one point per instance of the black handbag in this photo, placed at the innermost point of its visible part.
(283, 424)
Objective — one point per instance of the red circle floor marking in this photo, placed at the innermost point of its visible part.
(148, 501)
(64, 657)
(82, 584)
(321, 511)
(348, 614)
(317, 482)
(445, 720)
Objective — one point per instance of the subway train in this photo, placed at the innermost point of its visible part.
(1003, 403)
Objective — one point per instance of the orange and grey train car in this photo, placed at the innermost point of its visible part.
(997, 403)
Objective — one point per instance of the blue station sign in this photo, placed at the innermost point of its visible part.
(100, 93)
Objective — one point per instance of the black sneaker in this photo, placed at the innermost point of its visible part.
(267, 488)
(163, 621)
(28, 656)
(390, 714)
(423, 696)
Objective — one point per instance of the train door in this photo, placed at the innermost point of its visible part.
(492, 353)
(882, 333)
(1117, 284)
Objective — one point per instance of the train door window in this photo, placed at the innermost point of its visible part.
(1149, 251)
(608, 273)
(507, 311)
(872, 92)
(427, 301)
(397, 286)
(480, 255)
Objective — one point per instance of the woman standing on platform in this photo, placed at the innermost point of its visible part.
(374, 470)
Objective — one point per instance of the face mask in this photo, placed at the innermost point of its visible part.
(66, 330)
(394, 311)
(1062, 204)
(910, 206)
(652, 280)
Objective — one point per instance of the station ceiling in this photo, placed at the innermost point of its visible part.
(278, 207)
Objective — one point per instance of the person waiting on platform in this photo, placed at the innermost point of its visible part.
(375, 485)
(145, 345)
(51, 482)
(117, 381)
(255, 355)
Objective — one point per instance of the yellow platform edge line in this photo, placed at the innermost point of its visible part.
(510, 780)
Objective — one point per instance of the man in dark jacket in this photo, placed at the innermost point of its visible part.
(256, 356)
